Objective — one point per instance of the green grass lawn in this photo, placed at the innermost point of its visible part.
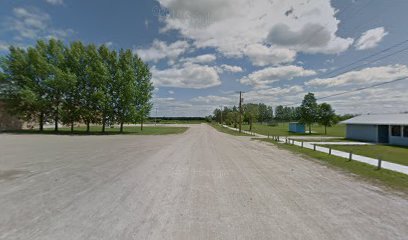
(96, 130)
(388, 153)
(282, 129)
(395, 180)
(226, 130)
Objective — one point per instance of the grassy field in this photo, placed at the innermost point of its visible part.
(226, 130)
(388, 153)
(96, 130)
(282, 129)
(384, 177)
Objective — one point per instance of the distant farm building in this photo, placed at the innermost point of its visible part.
(7, 121)
(296, 127)
(388, 129)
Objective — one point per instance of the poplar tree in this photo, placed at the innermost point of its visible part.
(144, 89)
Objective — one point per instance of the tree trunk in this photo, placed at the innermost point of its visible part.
(103, 123)
(56, 120)
(72, 126)
(250, 125)
(88, 128)
(41, 121)
(121, 127)
(325, 130)
(141, 124)
(310, 128)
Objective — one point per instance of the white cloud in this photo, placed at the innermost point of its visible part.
(171, 92)
(371, 38)
(232, 25)
(261, 55)
(206, 58)
(161, 50)
(214, 100)
(365, 76)
(4, 47)
(187, 76)
(32, 23)
(55, 2)
(229, 68)
(262, 78)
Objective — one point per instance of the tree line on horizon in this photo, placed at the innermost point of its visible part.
(75, 83)
(309, 112)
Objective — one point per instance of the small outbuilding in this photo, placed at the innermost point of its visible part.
(7, 121)
(296, 127)
(388, 129)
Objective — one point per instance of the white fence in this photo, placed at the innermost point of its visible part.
(371, 161)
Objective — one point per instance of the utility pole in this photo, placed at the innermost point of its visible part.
(240, 111)
(155, 118)
(221, 112)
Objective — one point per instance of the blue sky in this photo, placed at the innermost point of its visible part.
(202, 52)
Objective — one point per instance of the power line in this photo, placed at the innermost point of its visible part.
(355, 90)
(361, 65)
(369, 56)
(364, 88)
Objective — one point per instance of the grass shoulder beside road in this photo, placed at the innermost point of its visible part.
(226, 130)
(96, 130)
(282, 129)
(384, 177)
(395, 154)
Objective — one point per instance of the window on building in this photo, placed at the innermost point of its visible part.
(406, 131)
(396, 131)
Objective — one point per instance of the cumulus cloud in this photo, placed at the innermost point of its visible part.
(229, 68)
(205, 58)
(261, 55)
(231, 26)
(262, 78)
(371, 38)
(188, 75)
(365, 76)
(161, 50)
(55, 2)
(312, 37)
(4, 47)
(32, 23)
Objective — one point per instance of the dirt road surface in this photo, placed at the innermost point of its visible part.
(202, 184)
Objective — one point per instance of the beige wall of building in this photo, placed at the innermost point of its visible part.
(7, 121)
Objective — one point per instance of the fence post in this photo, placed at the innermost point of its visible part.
(350, 156)
(302, 144)
(379, 163)
(268, 135)
(314, 147)
(278, 138)
(330, 150)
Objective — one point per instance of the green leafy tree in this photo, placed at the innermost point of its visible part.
(125, 87)
(72, 106)
(327, 116)
(279, 113)
(309, 111)
(251, 113)
(144, 89)
(23, 88)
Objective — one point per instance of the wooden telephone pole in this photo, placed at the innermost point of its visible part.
(240, 111)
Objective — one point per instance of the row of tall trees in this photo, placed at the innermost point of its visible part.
(309, 112)
(250, 113)
(67, 84)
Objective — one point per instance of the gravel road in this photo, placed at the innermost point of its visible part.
(202, 184)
